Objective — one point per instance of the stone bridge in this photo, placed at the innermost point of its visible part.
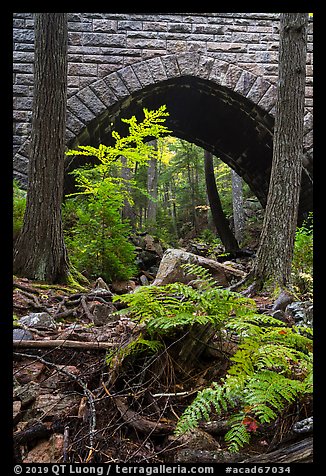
(216, 72)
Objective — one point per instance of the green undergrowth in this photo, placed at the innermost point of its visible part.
(271, 368)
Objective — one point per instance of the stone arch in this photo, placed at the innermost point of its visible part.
(232, 108)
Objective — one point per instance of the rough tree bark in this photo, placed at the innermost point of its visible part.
(275, 250)
(237, 203)
(219, 219)
(40, 251)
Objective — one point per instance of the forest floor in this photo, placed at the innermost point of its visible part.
(78, 398)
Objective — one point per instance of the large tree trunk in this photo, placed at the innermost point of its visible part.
(275, 250)
(219, 219)
(40, 251)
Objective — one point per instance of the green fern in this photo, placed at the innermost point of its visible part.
(238, 435)
(261, 380)
(271, 368)
(204, 279)
(132, 348)
(177, 305)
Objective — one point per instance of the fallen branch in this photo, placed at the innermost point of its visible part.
(175, 394)
(35, 432)
(140, 423)
(73, 344)
(216, 427)
(65, 444)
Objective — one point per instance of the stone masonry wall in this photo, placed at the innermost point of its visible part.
(102, 43)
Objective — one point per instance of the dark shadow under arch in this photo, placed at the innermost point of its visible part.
(209, 115)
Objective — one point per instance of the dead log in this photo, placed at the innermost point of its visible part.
(217, 427)
(298, 452)
(190, 455)
(34, 432)
(140, 423)
(73, 344)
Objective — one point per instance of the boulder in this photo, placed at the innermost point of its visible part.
(103, 313)
(26, 394)
(149, 250)
(52, 405)
(123, 287)
(29, 371)
(304, 426)
(143, 280)
(147, 242)
(38, 320)
(198, 446)
(46, 451)
(16, 411)
(170, 270)
(22, 334)
(301, 312)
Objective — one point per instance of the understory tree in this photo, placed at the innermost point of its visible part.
(220, 221)
(97, 235)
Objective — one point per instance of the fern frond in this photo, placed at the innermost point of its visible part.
(133, 348)
(200, 408)
(273, 356)
(273, 390)
(238, 435)
(204, 278)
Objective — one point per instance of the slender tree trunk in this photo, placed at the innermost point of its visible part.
(220, 221)
(274, 255)
(237, 202)
(127, 211)
(192, 192)
(173, 207)
(40, 251)
(152, 181)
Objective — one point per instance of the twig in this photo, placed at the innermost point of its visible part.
(73, 344)
(176, 394)
(236, 285)
(21, 306)
(65, 444)
(27, 294)
(61, 305)
(97, 298)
